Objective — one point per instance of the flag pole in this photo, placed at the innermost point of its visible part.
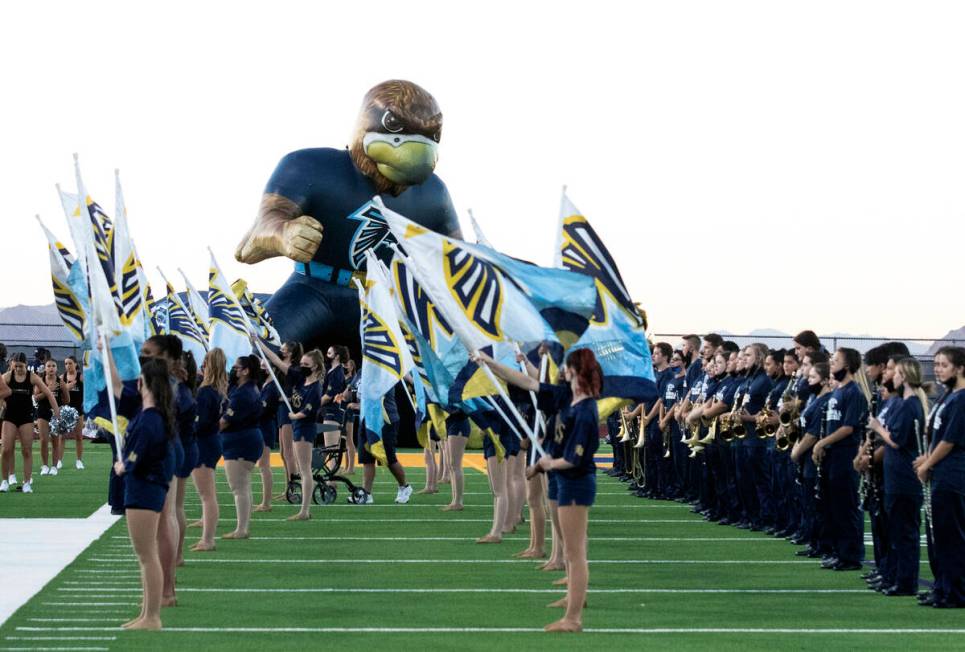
(256, 344)
(106, 361)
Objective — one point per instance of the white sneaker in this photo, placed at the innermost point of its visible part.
(60, 464)
(79, 465)
(53, 470)
(26, 488)
(44, 470)
(12, 479)
(402, 497)
(4, 487)
(368, 499)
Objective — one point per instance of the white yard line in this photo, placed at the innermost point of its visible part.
(511, 630)
(42, 548)
(211, 560)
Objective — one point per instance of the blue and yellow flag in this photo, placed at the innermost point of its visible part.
(182, 324)
(617, 329)
(257, 314)
(131, 308)
(229, 325)
(65, 298)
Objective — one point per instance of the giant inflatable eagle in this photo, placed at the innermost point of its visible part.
(317, 209)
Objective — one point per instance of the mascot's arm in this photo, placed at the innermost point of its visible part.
(280, 230)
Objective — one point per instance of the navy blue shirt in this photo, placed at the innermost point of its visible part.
(184, 412)
(778, 388)
(756, 389)
(305, 399)
(147, 448)
(552, 399)
(905, 420)
(726, 391)
(694, 372)
(334, 382)
(270, 398)
(673, 392)
(812, 423)
(327, 186)
(847, 407)
(244, 408)
(802, 389)
(580, 425)
(948, 425)
(209, 406)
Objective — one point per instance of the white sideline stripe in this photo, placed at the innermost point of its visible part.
(119, 573)
(782, 562)
(71, 620)
(60, 638)
(512, 630)
(89, 604)
(105, 583)
(56, 649)
(42, 548)
(517, 538)
(539, 591)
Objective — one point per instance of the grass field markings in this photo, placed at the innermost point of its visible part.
(85, 583)
(90, 604)
(60, 638)
(515, 538)
(522, 591)
(486, 505)
(443, 518)
(56, 649)
(749, 562)
(71, 620)
(520, 630)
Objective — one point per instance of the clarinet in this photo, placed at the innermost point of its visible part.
(821, 434)
(925, 485)
(870, 484)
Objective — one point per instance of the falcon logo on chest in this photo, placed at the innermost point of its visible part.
(371, 233)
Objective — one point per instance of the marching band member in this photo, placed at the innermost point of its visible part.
(754, 473)
(835, 452)
(813, 422)
(945, 467)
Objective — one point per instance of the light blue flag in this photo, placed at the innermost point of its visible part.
(183, 325)
(617, 330)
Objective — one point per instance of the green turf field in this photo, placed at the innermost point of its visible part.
(69, 494)
(411, 577)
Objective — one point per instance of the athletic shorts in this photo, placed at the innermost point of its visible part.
(578, 491)
(390, 433)
(458, 426)
(140, 494)
(209, 451)
(304, 430)
(243, 445)
(190, 459)
(178, 447)
(552, 486)
(283, 419)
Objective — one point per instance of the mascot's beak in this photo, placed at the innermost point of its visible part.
(406, 159)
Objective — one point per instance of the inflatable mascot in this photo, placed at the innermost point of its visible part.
(317, 209)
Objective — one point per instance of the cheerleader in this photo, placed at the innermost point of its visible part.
(577, 439)
(73, 383)
(148, 466)
(901, 430)
(18, 420)
(241, 438)
(44, 413)
(209, 401)
(945, 467)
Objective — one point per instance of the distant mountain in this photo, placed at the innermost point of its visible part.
(777, 339)
(956, 337)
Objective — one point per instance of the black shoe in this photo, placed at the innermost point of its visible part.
(871, 577)
(724, 521)
(847, 566)
(828, 562)
(805, 552)
(945, 604)
(893, 591)
(756, 528)
(797, 540)
(713, 518)
(815, 554)
(743, 525)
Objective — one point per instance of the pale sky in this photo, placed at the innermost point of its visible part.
(749, 164)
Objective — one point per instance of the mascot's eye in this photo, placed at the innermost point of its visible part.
(391, 123)
(437, 136)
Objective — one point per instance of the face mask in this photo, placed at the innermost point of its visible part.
(815, 388)
(951, 382)
(840, 374)
(233, 377)
(676, 369)
(890, 386)
(306, 369)
(142, 359)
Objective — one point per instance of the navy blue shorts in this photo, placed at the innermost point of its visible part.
(269, 433)
(511, 443)
(190, 459)
(552, 485)
(390, 433)
(178, 449)
(458, 426)
(209, 451)
(243, 445)
(334, 413)
(578, 491)
(303, 430)
(282, 416)
(140, 494)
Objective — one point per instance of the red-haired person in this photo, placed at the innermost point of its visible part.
(575, 441)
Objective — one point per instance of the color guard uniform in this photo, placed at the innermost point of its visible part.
(148, 461)
(209, 407)
(242, 438)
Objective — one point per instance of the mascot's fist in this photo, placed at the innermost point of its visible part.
(300, 238)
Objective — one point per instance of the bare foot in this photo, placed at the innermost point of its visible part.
(552, 566)
(562, 603)
(510, 531)
(201, 546)
(427, 491)
(452, 508)
(197, 523)
(564, 625)
(235, 535)
(445, 481)
(144, 623)
(563, 581)
(522, 553)
(131, 622)
(299, 517)
(262, 508)
(169, 601)
(489, 538)
(532, 554)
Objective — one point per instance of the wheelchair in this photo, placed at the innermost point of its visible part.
(326, 461)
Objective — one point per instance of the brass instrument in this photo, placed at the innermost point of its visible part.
(667, 444)
(763, 423)
(727, 422)
(782, 443)
(641, 431)
(624, 434)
